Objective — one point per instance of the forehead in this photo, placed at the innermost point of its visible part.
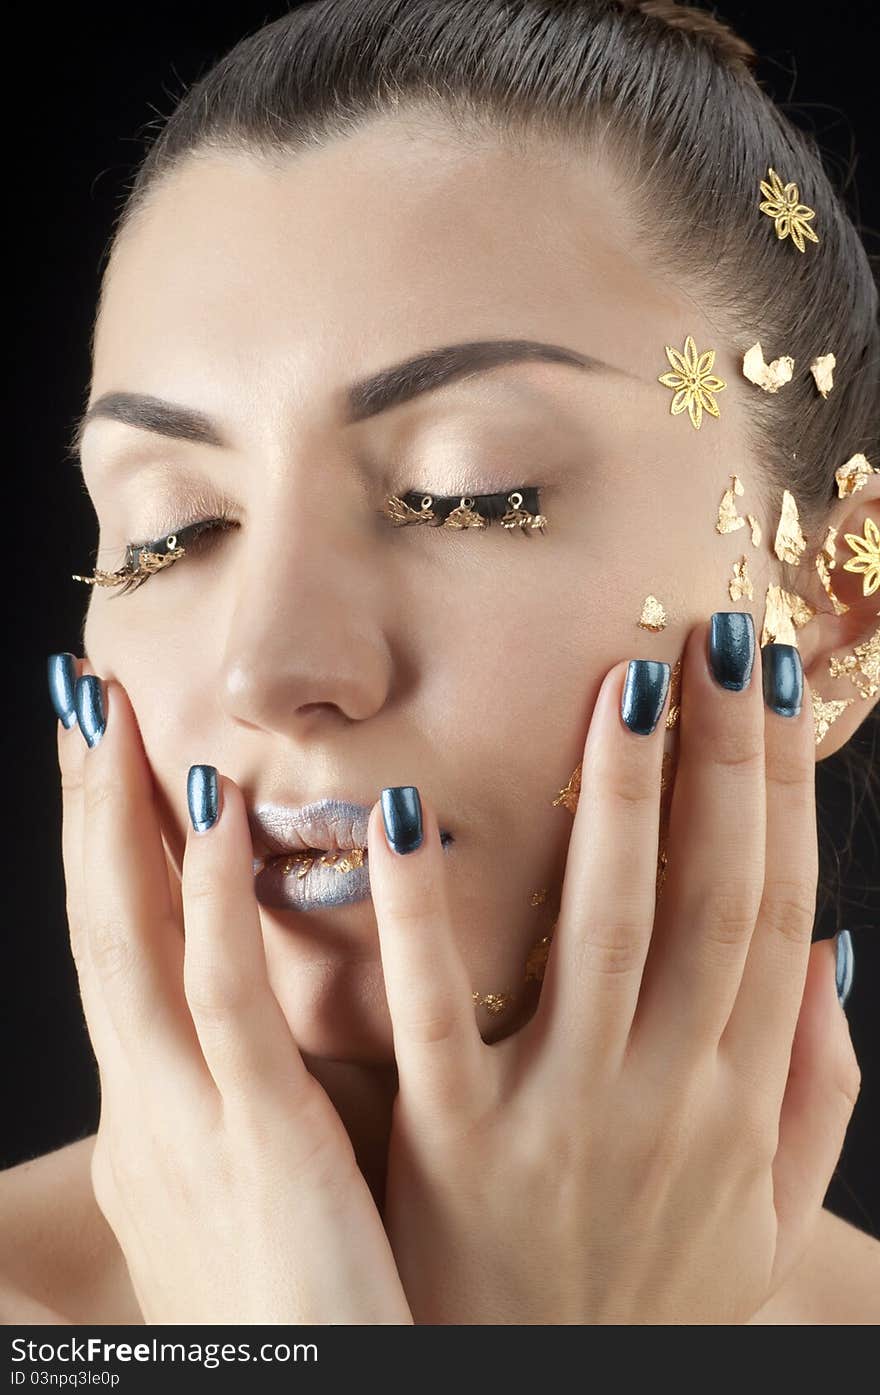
(393, 239)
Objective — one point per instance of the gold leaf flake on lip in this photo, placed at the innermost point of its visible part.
(741, 585)
(692, 381)
(728, 518)
(784, 611)
(825, 713)
(653, 616)
(790, 218)
(790, 541)
(825, 563)
(769, 376)
(853, 475)
(756, 529)
(822, 369)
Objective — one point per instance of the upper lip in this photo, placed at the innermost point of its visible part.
(327, 824)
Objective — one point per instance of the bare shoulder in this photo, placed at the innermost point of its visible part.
(61, 1262)
(837, 1283)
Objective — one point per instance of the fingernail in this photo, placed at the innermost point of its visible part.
(88, 699)
(732, 648)
(644, 693)
(62, 682)
(402, 816)
(203, 796)
(845, 965)
(783, 678)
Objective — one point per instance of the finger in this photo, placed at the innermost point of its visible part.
(244, 1035)
(135, 946)
(759, 1034)
(716, 845)
(440, 1054)
(821, 1093)
(594, 970)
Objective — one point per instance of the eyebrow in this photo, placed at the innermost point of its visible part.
(425, 372)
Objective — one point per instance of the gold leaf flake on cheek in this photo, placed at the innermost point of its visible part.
(790, 541)
(538, 898)
(653, 616)
(822, 369)
(853, 475)
(756, 530)
(825, 713)
(537, 960)
(826, 561)
(568, 797)
(674, 695)
(741, 585)
(769, 376)
(492, 1002)
(728, 518)
(783, 611)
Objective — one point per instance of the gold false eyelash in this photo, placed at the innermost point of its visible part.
(143, 559)
(516, 508)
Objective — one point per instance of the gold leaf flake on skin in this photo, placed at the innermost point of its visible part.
(825, 563)
(790, 541)
(568, 797)
(853, 475)
(741, 585)
(862, 666)
(826, 713)
(769, 376)
(822, 369)
(653, 616)
(756, 529)
(538, 898)
(537, 960)
(492, 1002)
(728, 518)
(674, 695)
(783, 611)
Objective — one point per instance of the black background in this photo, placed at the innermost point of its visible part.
(80, 88)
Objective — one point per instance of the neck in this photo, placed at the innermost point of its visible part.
(363, 1097)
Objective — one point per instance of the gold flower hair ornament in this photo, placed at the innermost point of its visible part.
(867, 558)
(790, 217)
(692, 381)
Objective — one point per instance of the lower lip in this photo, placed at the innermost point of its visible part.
(283, 884)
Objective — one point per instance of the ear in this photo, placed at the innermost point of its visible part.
(828, 641)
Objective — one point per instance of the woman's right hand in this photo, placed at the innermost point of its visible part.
(221, 1165)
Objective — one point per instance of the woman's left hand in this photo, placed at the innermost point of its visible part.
(654, 1146)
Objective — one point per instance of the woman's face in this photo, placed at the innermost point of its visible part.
(320, 651)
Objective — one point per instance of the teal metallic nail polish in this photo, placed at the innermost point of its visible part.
(644, 693)
(402, 816)
(203, 796)
(62, 683)
(845, 965)
(783, 675)
(732, 648)
(88, 698)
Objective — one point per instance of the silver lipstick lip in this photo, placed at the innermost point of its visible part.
(325, 825)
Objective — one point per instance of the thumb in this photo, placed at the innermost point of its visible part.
(823, 1085)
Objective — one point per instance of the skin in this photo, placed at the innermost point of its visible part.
(312, 653)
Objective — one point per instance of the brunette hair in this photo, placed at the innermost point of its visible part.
(669, 92)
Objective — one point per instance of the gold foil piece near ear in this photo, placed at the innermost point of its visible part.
(756, 530)
(692, 381)
(853, 475)
(653, 616)
(538, 898)
(741, 585)
(492, 1002)
(568, 797)
(826, 713)
(862, 666)
(674, 696)
(728, 518)
(790, 541)
(536, 963)
(867, 558)
(783, 612)
(826, 561)
(769, 376)
(790, 217)
(822, 369)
